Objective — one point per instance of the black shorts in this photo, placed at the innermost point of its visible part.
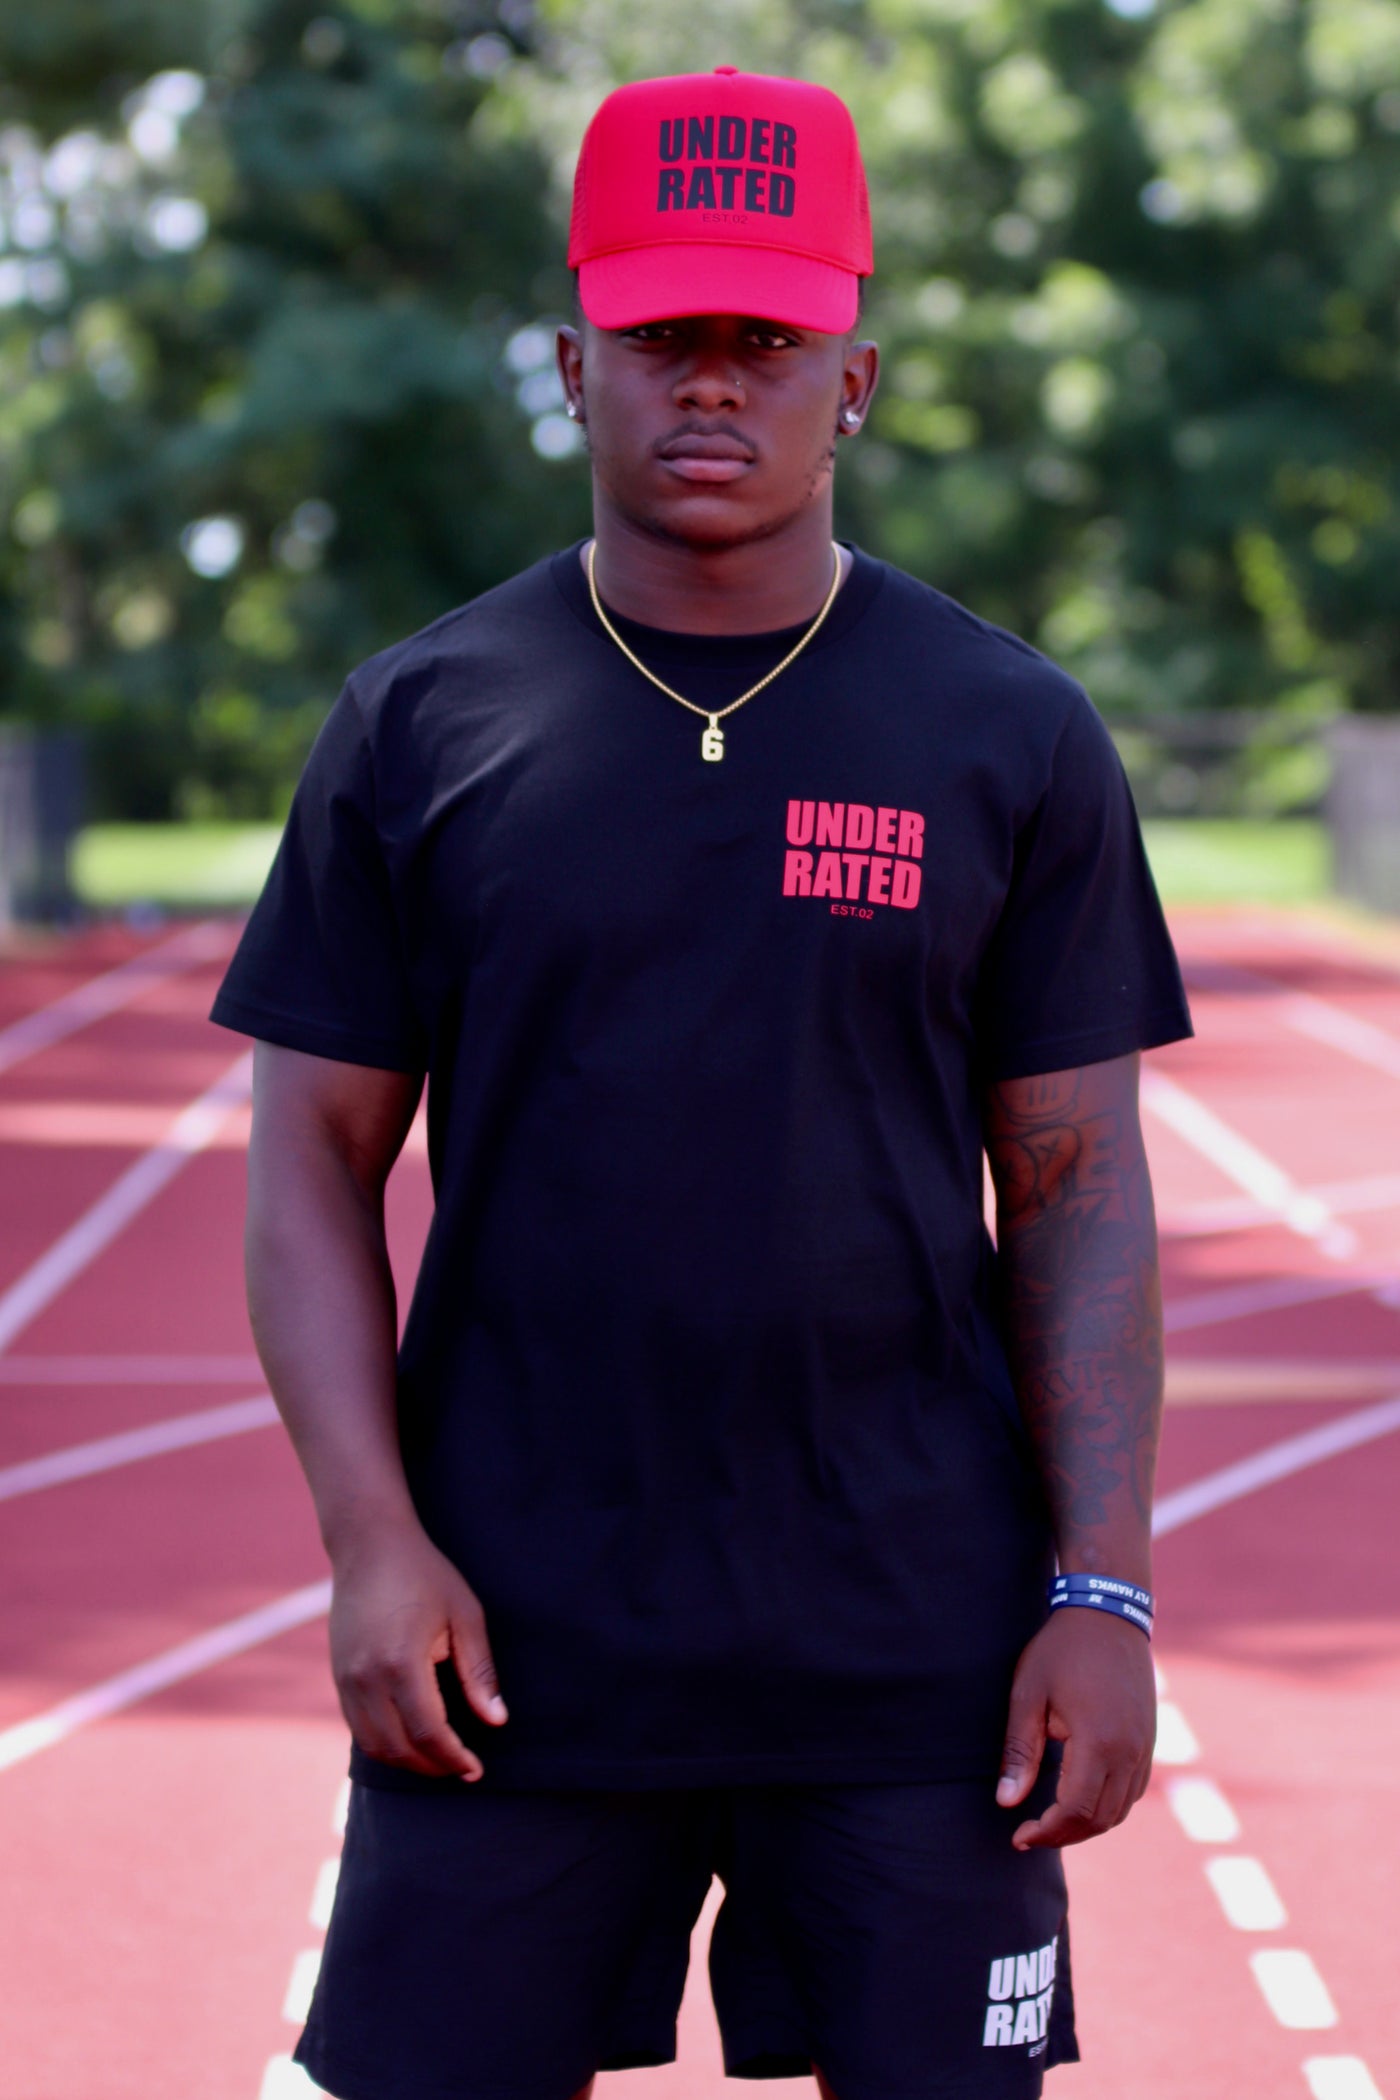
(507, 1945)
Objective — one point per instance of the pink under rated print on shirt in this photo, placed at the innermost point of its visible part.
(855, 853)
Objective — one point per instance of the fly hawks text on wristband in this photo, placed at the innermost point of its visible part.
(1107, 1585)
(1098, 1600)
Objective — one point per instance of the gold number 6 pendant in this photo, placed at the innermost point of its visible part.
(712, 742)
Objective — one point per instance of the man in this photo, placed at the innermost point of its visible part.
(719, 1428)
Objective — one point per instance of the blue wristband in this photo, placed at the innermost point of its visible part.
(1106, 1585)
(1100, 1600)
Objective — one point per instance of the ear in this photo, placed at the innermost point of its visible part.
(860, 373)
(568, 354)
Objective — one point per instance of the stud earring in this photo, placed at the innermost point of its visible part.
(571, 409)
(850, 420)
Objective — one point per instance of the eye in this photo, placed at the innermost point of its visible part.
(771, 338)
(650, 332)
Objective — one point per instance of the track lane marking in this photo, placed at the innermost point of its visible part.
(127, 1446)
(1340, 2078)
(128, 1370)
(1241, 1301)
(1293, 1454)
(1176, 1743)
(1202, 1810)
(323, 1895)
(191, 1132)
(1293, 1988)
(301, 1983)
(67, 1124)
(1291, 1984)
(26, 1738)
(284, 2080)
(1225, 1214)
(1320, 1019)
(1244, 1164)
(1245, 1893)
(1215, 1381)
(206, 941)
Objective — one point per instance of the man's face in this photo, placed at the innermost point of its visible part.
(713, 429)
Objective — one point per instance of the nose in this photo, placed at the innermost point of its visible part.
(710, 382)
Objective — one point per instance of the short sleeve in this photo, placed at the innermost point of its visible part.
(1080, 967)
(320, 964)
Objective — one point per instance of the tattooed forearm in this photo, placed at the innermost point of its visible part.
(1081, 1298)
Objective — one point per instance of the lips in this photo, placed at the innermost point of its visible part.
(697, 455)
(695, 444)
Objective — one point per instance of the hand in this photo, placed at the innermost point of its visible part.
(1086, 1680)
(398, 1607)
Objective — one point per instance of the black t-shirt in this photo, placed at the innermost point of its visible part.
(701, 1386)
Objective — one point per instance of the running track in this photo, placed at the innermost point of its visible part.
(171, 1751)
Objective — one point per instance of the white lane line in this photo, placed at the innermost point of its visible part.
(341, 1812)
(1245, 1165)
(323, 1895)
(305, 1969)
(1242, 1301)
(193, 1129)
(206, 941)
(177, 1433)
(128, 1370)
(42, 1731)
(1340, 2078)
(1308, 1015)
(1293, 1990)
(1245, 1893)
(1176, 1745)
(1214, 1216)
(1225, 1214)
(1293, 1454)
(284, 2080)
(1339, 1030)
(1202, 1811)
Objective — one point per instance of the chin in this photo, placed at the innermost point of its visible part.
(707, 522)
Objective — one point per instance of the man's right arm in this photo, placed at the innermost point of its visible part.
(322, 1305)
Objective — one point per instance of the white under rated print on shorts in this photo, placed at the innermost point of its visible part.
(1019, 1990)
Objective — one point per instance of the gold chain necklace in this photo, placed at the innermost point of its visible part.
(712, 740)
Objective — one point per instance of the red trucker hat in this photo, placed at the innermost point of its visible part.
(721, 192)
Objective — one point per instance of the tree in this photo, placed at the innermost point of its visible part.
(283, 279)
(259, 422)
(1135, 290)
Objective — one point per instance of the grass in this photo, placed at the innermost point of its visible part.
(1228, 860)
(221, 866)
(200, 867)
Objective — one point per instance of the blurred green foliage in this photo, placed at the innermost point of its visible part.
(221, 866)
(254, 419)
(279, 283)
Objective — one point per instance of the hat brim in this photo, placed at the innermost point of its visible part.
(635, 285)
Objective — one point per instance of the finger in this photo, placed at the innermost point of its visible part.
(1023, 1747)
(379, 1728)
(1071, 1816)
(433, 1745)
(1058, 1826)
(475, 1665)
(1116, 1798)
(1141, 1778)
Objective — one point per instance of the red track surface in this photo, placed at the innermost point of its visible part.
(161, 1860)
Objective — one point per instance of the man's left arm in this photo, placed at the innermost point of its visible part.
(1082, 1322)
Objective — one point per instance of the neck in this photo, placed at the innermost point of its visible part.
(776, 581)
